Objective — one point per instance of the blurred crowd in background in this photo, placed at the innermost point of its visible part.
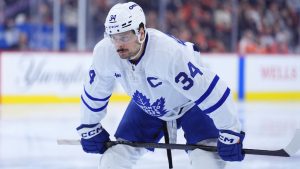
(220, 26)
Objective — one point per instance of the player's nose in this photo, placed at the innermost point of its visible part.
(119, 45)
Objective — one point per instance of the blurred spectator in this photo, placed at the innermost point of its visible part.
(11, 34)
(270, 25)
(263, 26)
(41, 28)
(248, 43)
(23, 32)
(97, 12)
(152, 19)
(28, 25)
(69, 18)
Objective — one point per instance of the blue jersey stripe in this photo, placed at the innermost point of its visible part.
(93, 98)
(93, 109)
(219, 103)
(208, 91)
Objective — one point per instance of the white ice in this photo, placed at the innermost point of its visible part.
(28, 135)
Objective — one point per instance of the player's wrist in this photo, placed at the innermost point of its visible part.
(236, 127)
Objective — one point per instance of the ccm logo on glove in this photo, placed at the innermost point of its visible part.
(91, 133)
(93, 138)
(228, 138)
(87, 133)
(230, 145)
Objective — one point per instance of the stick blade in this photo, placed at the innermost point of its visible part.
(294, 145)
(68, 142)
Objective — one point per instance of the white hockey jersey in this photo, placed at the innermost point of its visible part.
(165, 82)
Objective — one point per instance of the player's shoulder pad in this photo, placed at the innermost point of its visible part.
(102, 47)
(163, 47)
(104, 54)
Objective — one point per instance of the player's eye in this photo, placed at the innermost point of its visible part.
(121, 38)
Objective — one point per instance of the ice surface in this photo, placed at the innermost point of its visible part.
(28, 135)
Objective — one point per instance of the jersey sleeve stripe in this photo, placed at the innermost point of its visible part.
(208, 91)
(196, 48)
(93, 109)
(219, 103)
(95, 99)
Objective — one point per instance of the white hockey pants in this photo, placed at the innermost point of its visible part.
(121, 157)
(124, 157)
(203, 159)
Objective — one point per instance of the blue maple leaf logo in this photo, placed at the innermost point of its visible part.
(157, 109)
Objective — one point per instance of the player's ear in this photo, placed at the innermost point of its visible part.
(141, 32)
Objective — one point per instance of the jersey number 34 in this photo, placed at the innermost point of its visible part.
(187, 80)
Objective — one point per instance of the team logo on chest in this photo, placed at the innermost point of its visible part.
(157, 109)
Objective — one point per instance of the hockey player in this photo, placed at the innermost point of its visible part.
(167, 83)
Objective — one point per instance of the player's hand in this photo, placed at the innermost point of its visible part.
(230, 145)
(93, 138)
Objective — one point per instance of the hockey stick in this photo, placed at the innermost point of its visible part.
(288, 151)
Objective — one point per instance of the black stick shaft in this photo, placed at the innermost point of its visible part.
(280, 152)
(167, 141)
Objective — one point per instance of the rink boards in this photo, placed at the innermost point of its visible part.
(57, 77)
